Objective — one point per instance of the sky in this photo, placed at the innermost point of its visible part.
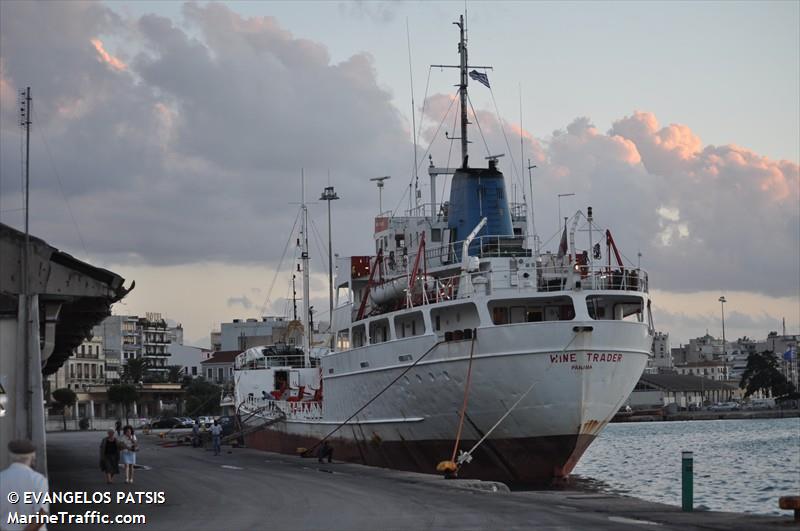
(169, 138)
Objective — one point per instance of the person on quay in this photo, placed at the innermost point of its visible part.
(18, 478)
(109, 455)
(118, 427)
(216, 437)
(196, 434)
(129, 446)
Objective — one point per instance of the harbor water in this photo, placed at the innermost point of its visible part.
(739, 465)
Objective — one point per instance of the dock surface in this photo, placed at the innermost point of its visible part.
(245, 489)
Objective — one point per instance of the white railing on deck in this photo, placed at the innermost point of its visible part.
(301, 410)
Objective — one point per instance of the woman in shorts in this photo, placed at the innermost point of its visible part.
(128, 453)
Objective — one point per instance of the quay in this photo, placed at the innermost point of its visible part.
(246, 489)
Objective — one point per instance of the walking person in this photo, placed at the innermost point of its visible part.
(128, 454)
(216, 437)
(118, 427)
(20, 477)
(109, 456)
(196, 434)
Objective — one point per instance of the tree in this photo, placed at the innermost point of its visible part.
(65, 398)
(123, 394)
(175, 373)
(762, 374)
(202, 398)
(135, 370)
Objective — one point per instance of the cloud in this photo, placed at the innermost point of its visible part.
(242, 301)
(181, 142)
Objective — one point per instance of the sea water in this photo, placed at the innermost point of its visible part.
(739, 465)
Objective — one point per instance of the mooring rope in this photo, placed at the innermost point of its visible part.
(466, 396)
(371, 400)
(466, 457)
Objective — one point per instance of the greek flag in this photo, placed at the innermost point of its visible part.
(789, 354)
(480, 78)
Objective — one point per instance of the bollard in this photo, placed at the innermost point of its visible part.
(687, 486)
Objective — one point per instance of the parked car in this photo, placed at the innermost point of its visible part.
(725, 406)
(205, 421)
(168, 422)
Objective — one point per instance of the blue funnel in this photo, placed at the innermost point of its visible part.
(474, 194)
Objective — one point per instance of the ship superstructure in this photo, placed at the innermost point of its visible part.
(459, 334)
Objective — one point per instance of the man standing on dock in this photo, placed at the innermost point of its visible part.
(16, 480)
(216, 437)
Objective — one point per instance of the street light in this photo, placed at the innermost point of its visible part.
(559, 206)
(722, 302)
(379, 181)
(330, 195)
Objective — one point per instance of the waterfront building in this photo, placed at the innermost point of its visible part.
(127, 337)
(712, 370)
(662, 355)
(189, 359)
(215, 340)
(685, 391)
(218, 368)
(242, 334)
(85, 368)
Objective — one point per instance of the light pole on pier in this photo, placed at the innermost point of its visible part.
(722, 302)
(330, 195)
(379, 181)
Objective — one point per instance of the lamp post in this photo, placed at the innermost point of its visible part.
(559, 206)
(379, 181)
(722, 302)
(330, 195)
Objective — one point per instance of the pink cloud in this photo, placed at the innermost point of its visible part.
(106, 57)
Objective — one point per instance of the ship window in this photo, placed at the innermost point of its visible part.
(359, 336)
(343, 340)
(379, 331)
(615, 307)
(436, 235)
(404, 357)
(512, 311)
(456, 317)
(409, 324)
(364, 364)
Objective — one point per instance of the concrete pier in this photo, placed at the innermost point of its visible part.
(246, 489)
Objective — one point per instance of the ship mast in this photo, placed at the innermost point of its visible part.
(462, 90)
(307, 332)
(463, 68)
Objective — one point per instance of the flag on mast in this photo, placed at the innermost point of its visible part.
(480, 77)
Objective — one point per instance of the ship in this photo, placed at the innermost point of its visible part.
(460, 346)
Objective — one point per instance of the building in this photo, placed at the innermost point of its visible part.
(712, 370)
(215, 340)
(85, 368)
(662, 390)
(127, 337)
(242, 334)
(662, 355)
(218, 368)
(189, 359)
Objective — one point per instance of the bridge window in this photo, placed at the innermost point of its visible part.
(512, 311)
(615, 307)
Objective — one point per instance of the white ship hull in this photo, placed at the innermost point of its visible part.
(412, 425)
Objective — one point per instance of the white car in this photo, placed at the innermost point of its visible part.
(205, 421)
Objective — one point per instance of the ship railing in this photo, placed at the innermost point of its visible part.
(541, 279)
(482, 247)
(558, 278)
(293, 410)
